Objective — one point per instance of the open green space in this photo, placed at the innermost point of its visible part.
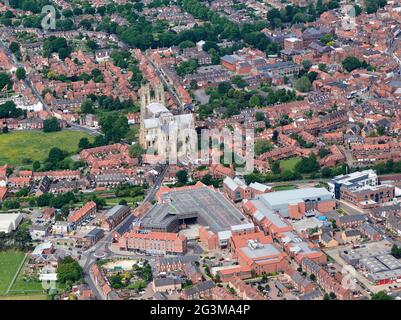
(289, 164)
(10, 261)
(284, 187)
(18, 146)
(25, 297)
(26, 285)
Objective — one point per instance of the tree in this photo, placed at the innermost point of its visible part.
(307, 165)
(323, 152)
(396, 252)
(306, 64)
(207, 179)
(182, 176)
(114, 126)
(87, 106)
(36, 165)
(136, 150)
(275, 167)
(275, 136)
(322, 67)
(51, 125)
(303, 84)
(239, 82)
(262, 146)
(312, 76)
(5, 80)
(9, 110)
(56, 155)
(62, 53)
(14, 47)
(351, 63)
(381, 295)
(312, 277)
(84, 143)
(254, 101)
(123, 202)
(326, 172)
(69, 270)
(20, 73)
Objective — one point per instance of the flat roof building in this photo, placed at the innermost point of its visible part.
(10, 221)
(209, 207)
(353, 181)
(295, 203)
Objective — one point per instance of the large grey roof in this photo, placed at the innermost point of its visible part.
(294, 196)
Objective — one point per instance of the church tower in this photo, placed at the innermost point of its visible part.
(149, 94)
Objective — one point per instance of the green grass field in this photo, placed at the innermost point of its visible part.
(22, 286)
(25, 297)
(284, 187)
(289, 164)
(35, 145)
(9, 264)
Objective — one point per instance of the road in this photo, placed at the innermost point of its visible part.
(102, 248)
(165, 82)
(28, 83)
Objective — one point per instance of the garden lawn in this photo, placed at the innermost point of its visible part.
(289, 164)
(22, 286)
(284, 187)
(9, 264)
(35, 145)
(25, 297)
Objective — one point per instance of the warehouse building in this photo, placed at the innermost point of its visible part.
(9, 221)
(295, 203)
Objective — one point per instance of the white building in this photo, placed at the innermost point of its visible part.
(9, 221)
(353, 181)
(169, 136)
(61, 227)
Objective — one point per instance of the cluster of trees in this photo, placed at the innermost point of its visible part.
(69, 270)
(136, 150)
(396, 252)
(51, 125)
(390, 166)
(186, 67)
(262, 146)
(307, 165)
(114, 127)
(303, 84)
(5, 81)
(230, 101)
(9, 204)
(16, 240)
(105, 103)
(15, 49)
(351, 63)
(56, 159)
(305, 168)
(56, 44)
(381, 295)
(127, 190)
(6, 18)
(125, 60)
(371, 6)
(301, 141)
(182, 176)
(124, 280)
(208, 180)
(9, 110)
(291, 14)
(57, 201)
(34, 6)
